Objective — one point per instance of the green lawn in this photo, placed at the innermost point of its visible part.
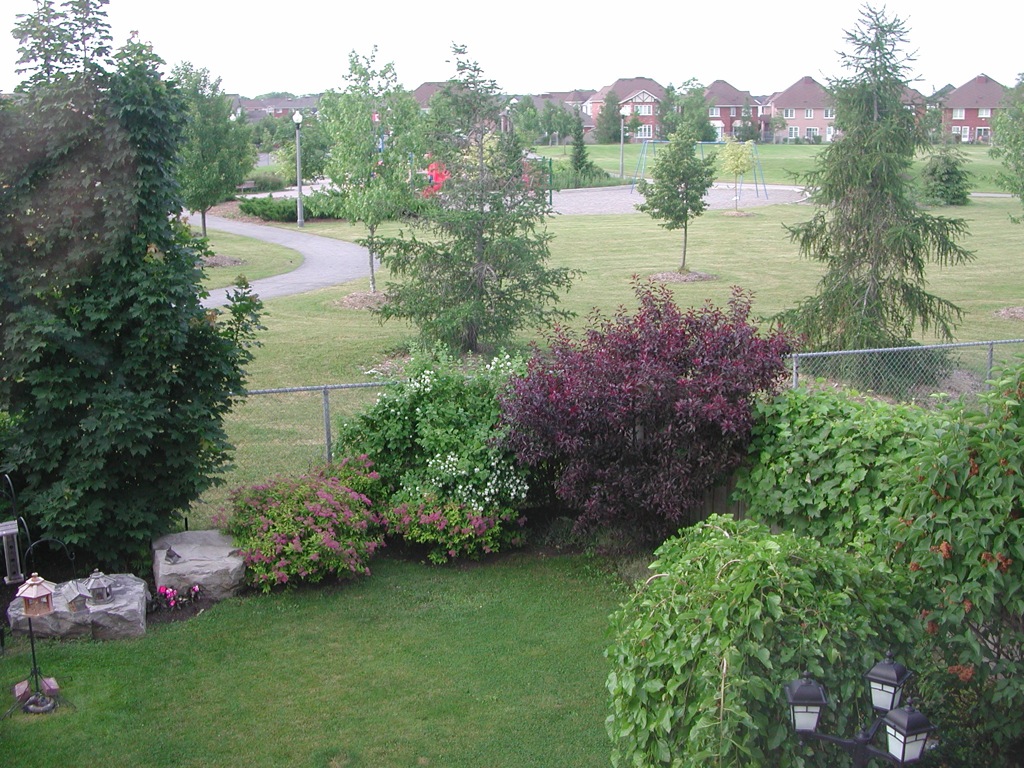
(778, 162)
(497, 665)
(248, 257)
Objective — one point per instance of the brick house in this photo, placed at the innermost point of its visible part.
(638, 96)
(806, 107)
(729, 108)
(967, 111)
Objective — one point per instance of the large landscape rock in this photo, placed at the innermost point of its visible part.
(207, 558)
(124, 616)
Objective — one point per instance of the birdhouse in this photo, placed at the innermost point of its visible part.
(76, 594)
(101, 588)
(37, 594)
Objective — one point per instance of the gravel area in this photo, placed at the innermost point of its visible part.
(624, 199)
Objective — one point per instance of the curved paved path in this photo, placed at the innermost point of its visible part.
(327, 262)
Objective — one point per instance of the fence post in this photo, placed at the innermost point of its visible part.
(796, 370)
(327, 425)
(991, 360)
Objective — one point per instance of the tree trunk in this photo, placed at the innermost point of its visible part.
(682, 266)
(372, 250)
(202, 215)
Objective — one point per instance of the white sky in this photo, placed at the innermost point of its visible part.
(529, 46)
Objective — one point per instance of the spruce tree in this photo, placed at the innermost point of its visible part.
(867, 230)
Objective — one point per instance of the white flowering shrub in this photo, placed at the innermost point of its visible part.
(432, 439)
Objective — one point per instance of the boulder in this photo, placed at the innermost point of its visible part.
(207, 558)
(124, 616)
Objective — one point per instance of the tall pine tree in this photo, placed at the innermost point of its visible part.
(867, 229)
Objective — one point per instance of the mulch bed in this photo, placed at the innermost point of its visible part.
(682, 277)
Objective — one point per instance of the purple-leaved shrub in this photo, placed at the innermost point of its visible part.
(645, 412)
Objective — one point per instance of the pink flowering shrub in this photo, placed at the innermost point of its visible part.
(452, 530)
(305, 528)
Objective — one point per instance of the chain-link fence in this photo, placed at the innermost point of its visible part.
(910, 374)
(290, 430)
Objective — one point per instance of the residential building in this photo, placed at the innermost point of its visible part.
(637, 96)
(807, 110)
(967, 111)
(730, 108)
(257, 109)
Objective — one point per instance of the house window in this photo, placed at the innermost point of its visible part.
(956, 130)
(746, 111)
(811, 132)
(982, 134)
(809, 114)
(732, 111)
(714, 112)
(958, 114)
(788, 114)
(794, 132)
(984, 112)
(644, 132)
(830, 114)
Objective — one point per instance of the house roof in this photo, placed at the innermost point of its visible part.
(803, 94)
(627, 88)
(982, 91)
(721, 94)
(425, 92)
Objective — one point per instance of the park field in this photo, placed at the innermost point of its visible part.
(777, 163)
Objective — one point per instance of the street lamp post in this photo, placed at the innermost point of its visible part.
(622, 140)
(907, 730)
(297, 119)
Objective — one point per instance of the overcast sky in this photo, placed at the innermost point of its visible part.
(529, 46)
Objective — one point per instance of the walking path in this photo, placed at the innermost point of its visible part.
(327, 262)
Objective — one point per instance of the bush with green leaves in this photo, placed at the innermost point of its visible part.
(961, 538)
(445, 482)
(820, 460)
(306, 528)
(945, 177)
(731, 614)
(267, 181)
(270, 208)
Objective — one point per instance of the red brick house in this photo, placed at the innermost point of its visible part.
(638, 96)
(729, 108)
(807, 109)
(968, 110)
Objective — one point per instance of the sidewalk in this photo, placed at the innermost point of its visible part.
(327, 262)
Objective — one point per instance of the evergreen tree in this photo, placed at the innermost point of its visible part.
(583, 168)
(480, 273)
(867, 230)
(116, 377)
(217, 151)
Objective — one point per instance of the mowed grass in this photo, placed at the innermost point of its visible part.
(778, 163)
(247, 257)
(497, 665)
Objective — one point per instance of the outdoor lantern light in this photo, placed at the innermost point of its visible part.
(101, 588)
(907, 731)
(887, 679)
(806, 700)
(37, 594)
(297, 119)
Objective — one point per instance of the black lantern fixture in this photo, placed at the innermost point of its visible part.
(907, 730)
(886, 680)
(806, 700)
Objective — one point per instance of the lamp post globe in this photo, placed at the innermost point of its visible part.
(297, 119)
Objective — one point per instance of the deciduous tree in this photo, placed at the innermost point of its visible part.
(117, 378)
(481, 272)
(685, 108)
(608, 126)
(737, 160)
(867, 230)
(1009, 141)
(680, 181)
(217, 150)
(373, 127)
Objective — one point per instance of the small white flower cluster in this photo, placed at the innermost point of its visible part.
(422, 383)
(501, 485)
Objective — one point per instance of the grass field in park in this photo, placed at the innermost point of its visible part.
(461, 667)
(778, 162)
